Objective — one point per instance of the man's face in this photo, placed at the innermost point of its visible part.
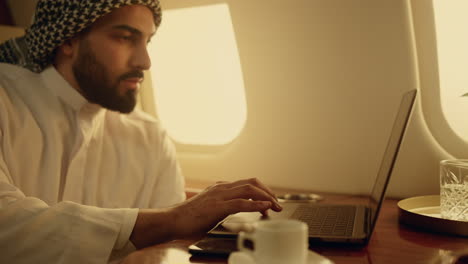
(112, 55)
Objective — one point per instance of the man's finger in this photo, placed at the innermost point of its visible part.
(248, 191)
(252, 181)
(221, 182)
(243, 205)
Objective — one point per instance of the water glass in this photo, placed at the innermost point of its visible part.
(454, 189)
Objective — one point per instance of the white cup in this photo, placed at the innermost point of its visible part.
(276, 242)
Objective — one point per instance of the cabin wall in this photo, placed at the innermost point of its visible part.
(323, 82)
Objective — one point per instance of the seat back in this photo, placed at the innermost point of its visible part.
(8, 32)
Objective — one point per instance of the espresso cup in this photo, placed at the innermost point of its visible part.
(276, 242)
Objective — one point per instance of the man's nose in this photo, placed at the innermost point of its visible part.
(141, 59)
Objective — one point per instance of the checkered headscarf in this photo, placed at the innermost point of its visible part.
(55, 22)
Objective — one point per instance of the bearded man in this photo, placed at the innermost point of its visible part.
(83, 175)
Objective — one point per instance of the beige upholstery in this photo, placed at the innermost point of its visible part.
(7, 32)
(146, 95)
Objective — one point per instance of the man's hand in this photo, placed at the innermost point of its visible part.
(202, 212)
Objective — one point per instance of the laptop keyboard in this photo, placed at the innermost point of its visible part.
(324, 220)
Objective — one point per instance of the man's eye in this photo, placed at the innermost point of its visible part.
(125, 38)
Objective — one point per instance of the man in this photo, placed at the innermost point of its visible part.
(83, 177)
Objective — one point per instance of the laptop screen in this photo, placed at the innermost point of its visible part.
(390, 155)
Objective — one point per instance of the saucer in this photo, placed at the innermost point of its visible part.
(244, 258)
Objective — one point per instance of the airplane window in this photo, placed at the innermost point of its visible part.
(451, 22)
(196, 76)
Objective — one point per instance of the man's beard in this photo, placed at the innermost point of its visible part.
(97, 86)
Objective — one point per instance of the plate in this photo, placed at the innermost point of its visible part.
(239, 257)
(424, 212)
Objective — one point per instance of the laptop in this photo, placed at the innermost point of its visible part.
(332, 223)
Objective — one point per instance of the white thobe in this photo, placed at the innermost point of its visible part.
(72, 173)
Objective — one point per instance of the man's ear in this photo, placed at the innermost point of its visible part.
(69, 47)
(66, 53)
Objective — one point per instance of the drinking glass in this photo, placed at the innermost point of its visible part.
(454, 189)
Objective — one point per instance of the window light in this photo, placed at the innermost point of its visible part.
(452, 42)
(197, 79)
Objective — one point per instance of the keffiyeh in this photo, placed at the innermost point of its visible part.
(55, 22)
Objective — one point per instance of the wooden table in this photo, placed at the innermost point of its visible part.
(391, 242)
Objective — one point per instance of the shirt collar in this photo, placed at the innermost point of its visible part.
(60, 87)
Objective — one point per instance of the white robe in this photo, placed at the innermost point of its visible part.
(71, 171)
